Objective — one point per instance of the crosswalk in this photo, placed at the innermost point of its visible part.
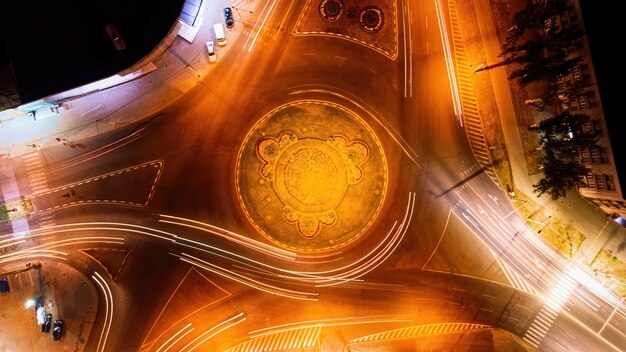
(35, 170)
(515, 279)
(471, 118)
(38, 182)
(301, 339)
(540, 326)
(419, 330)
(549, 312)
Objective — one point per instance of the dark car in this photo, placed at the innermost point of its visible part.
(45, 327)
(4, 285)
(57, 329)
(228, 17)
(115, 36)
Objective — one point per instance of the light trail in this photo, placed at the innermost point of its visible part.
(502, 241)
(360, 270)
(329, 277)
(561, 292)
(373, 319)
(319, 276)
(173, 336)
(282, 23)
(108, 318)
(12, 244)
(368, 109)
(454, 89)
(343, 274)
(406, 57)
(100, 151)
(559, 279)
(381, 256)
(255, 25)
(500, 248)
(262, 24)
(231, 236)
(410, 45)
(235, 320)
(35, 255)
(68, 242)
(279, 291)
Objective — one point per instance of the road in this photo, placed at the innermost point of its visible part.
(445, 248)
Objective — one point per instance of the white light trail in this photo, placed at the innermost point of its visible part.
(454, 89)
(108, 318)
(381, 256)
(262, 24)
(236, 320)
(34, 255)
(231, 236)
(173, 336)
(279, 291)
(406, 57)
(374, 319)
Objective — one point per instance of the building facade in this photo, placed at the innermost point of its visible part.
(578, 93)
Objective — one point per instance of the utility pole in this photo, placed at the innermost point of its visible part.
(239, 14)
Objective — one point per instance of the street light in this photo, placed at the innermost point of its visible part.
(514, 210)
(545, 224)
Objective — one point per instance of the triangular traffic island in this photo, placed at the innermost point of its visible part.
(111, 259)
(193, 295)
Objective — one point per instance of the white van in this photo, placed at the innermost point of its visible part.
(219, 34)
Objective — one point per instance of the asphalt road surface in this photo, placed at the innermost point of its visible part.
(445, 247)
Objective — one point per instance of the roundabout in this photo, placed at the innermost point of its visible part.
(311, 176)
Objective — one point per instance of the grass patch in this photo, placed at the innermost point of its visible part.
(613, 267)
(564, 238)
(4, 213)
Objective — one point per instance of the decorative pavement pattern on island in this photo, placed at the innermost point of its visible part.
(370, 23)
(311, 176)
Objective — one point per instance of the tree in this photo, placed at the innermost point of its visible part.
(559, 177)
(543, 52)
(533, 17)
(548, 68)
(555, 92)
(563, 39)
(562, 138)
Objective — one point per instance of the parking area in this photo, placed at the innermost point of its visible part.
(62, 291)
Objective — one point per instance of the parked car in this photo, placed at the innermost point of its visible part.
(228, 17)
(57, 329)
(210, 48)
(220, 36)
(115, 36)
(4, 285)
(45, 327)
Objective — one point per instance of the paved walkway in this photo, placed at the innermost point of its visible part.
(175, 67)
(573, 209)
(67, 295)
(169, 76)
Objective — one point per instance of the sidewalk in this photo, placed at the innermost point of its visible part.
(66, 294)
(165, 79)
(483, 46)
(176, 66)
